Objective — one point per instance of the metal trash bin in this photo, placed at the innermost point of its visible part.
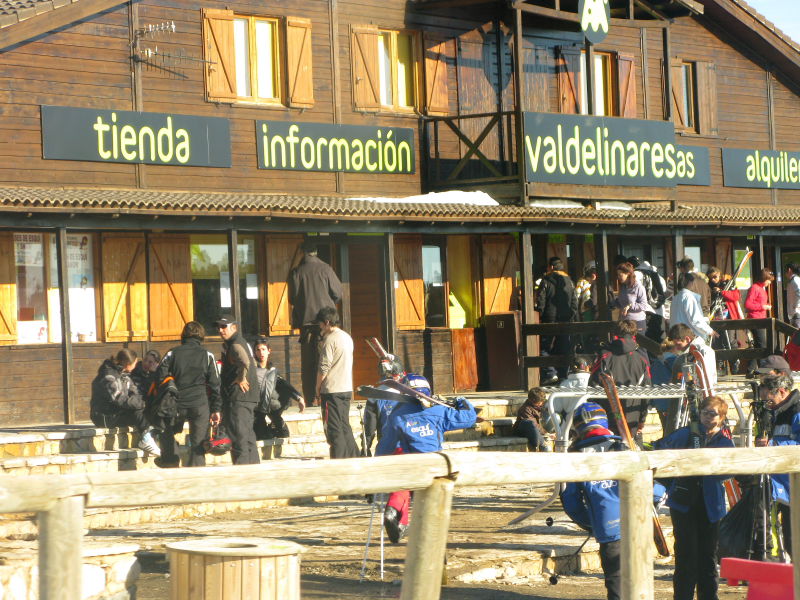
(234, 569)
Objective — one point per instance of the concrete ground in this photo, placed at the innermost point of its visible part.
(485, 560)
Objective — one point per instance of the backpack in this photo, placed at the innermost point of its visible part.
(163, 407)
(653, 288)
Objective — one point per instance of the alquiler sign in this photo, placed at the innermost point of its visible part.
(761, 168)
(302, 146)
(609, 151)
(122, 136)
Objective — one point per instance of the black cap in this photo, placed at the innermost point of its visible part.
(774, 362)
(224, 321)
(309, 246)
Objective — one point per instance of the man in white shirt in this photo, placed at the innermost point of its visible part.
(335, 384)
(793, 294)
(686, 309)
(684, 339)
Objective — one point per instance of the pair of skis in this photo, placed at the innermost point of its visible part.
(618, 413)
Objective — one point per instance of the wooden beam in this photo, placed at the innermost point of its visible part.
(529, 315)
(636, 536)
(434, 4)
(391, 297)
(588, 77)
(60, 550)
(68, 384)
(665, 58)
(54, 19)
(344, 271)
(603, 274)
(233, 276)
(571, 17)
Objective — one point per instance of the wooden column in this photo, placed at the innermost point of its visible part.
(344, 275)
(519, 85)
(391, 300)
(233, 275)
(603, 278)
(778, 312)
(588, 77)
(794, 494)
(667, 78)
(530, 377)
(60, 550)
(427, 541)
(636, 513)
(67, 366)
(679, 250)
(760, 260)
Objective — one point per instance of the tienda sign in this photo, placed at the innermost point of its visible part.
(575, 149)
(134, 137)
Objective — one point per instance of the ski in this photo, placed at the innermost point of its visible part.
(369, 391)
(607, 381)
(729, 285)
(409, 391)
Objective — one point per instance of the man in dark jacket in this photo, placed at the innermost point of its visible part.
(628, 364)
(239, 385)
(557, 303)
(313, 285)
(195, 374)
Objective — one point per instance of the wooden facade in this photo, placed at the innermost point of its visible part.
(148, 245)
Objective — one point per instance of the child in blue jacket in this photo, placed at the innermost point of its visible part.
(594, 505)
(696, 506)
(414, 428)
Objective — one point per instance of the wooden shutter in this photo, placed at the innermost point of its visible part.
(8, 290)
(283, 254)
(171, 301)
(500, 266)
(218, 49)
(626, 84)
(409, 288)
(437, 99)
(706, 74)
(366, 79)
(124, 287)
(569, 88)
(676, 94)
(536, 76)
(299, 77)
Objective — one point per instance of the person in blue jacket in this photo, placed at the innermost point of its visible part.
(594, 505)
(377, 410)
(783, 404)
(414, 426)
(696, 506)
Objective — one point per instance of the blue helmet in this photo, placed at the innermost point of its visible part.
(588, 416)
(419, 383)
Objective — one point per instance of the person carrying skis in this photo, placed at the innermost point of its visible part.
(417, 426)
(377, 410)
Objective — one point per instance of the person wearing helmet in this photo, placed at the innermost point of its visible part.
(376, 410)
(594, 505)
(416, 426)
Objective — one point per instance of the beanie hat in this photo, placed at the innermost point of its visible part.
(588, 416)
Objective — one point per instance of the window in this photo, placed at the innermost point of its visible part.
(434, 278)
(396, 69)
(257, 59)
(255, 44)
(385, 69)
(694, 96)
(603, 87)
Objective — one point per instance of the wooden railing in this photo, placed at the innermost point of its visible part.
(774, 329)
(469, 149)
(60, 500)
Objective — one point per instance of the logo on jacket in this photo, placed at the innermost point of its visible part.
(421, 430)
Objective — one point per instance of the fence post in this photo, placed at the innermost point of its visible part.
(794, 494)
(422, 577)
(636, 513)
(60, 550)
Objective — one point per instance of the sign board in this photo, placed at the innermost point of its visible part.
(761, 168)
(595, 19)
(121, 136)
(302, 146)
(609, 151)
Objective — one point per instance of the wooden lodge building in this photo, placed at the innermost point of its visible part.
(144, 140)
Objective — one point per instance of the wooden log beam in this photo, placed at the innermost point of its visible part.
(427, 542)
(51, 20)
(60, 550)
(636, 536)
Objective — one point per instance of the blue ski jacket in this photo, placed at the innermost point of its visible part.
(785, 432)
(713, 492)
(594, 505)
(415, 429)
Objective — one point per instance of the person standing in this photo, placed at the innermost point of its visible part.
(696, 282)
(696, 505)
(632, 298)
(556, 303)
(313, 285)
(196, 376)
(793, 294)
(686, 309)
(758, 306)
(239, 386)
(335, 384)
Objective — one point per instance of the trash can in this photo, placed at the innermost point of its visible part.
(234, 569)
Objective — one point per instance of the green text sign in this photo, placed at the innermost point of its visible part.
(761, 168)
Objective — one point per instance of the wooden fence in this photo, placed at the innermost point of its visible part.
(603, 329)
(60, 500)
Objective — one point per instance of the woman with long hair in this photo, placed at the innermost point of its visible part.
(632, 297)
(758, 307)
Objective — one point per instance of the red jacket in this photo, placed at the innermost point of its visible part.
(792, 354)
(732, 298)
(757, 297)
